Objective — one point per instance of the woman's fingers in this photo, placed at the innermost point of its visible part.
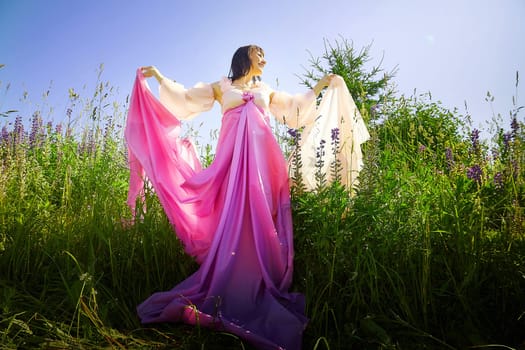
(148, 71)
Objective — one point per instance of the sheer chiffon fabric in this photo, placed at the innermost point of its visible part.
(337, 118)
(234, 217)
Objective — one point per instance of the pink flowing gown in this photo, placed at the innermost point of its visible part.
(234, 217)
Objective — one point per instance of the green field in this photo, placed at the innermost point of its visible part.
(428, 253)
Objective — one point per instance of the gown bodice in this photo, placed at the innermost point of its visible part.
(233, 96)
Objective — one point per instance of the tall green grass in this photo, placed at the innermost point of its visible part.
(427, 253)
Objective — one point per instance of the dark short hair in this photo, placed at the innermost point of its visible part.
(241, 62)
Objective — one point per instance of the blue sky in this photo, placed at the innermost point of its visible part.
(457, 50)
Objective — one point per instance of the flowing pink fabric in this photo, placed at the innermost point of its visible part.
(234, 217)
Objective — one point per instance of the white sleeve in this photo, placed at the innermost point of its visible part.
(186, 103)
(293, 110)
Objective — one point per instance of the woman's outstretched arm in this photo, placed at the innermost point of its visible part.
(152, 71)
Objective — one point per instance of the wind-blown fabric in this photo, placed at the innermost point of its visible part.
(333, 132)
(234, 217)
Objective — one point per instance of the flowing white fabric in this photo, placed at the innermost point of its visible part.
(336, 118)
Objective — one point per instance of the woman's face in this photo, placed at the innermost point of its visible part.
(258, 61)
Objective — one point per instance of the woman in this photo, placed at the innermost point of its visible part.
(234, 216)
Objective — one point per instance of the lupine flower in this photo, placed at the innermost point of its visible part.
(91, 145)
(58, 129)
(107, 134)
(335, 135)
(506, 140)
(296, 136)
(495, 154)
(320, 154)
(335, 142)
(474, 173)
(498, 180)
(108, 128)
(450, 157)
(335, 166)
(320, 176)
(474, 138)
(320, 149)
(18, 130)
(87, 146)
(515, 168)
(515, 127)
(5, 135)
(36, 130)
(375, 109)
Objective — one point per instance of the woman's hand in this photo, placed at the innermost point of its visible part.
(152, 71)
(324, 82)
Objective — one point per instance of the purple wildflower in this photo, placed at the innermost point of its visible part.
(108, 129)
(474, 138)
(36, 130)
(474, 173)
(87, 145)
(515, 168)
(335, 135)
(335, 141)
(422, 148)
(450, 158)
(498, 180)
(515, 127)
(335, 166)
(495, 154)
(18, 130)
(320, 154)
(91, 144)
(320, 176)
(58, 129)
(5, 135)
(375, 109)
(295, 135)
(449, 155)
(506, 139)
(292, 132)
(69, 132)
